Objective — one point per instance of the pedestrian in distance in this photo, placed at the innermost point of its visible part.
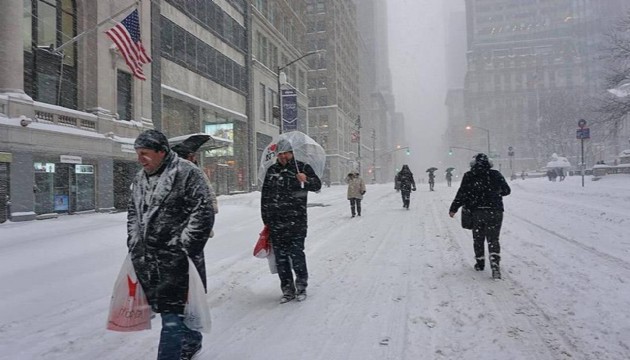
(283, 209)
(449, 178)
(431, 180)
(406, 185)
(356, 190)
(481, 191)
(169, 219)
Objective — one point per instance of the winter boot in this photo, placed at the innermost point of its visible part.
(496, 272)
(300, 295)
(287, 297)
(494, 265)
(480, 265)
(191, 354)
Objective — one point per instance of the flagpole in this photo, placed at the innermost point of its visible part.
(78, 37)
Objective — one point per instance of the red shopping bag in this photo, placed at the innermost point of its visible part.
(129, 309)
(263, 246)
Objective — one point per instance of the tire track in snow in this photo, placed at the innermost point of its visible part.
(606, 257)
(520, 319)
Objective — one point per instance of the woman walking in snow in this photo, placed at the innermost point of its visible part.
(404, 179)
(481, 191)
(356, 190)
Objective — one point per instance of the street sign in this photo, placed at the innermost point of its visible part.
(583, 134)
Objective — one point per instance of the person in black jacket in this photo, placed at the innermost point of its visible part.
(169, 219)
(283, 209)
(481, 191)
(406, 184)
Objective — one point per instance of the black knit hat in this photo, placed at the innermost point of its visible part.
(152, 139)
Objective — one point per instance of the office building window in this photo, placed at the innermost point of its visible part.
(124, 96)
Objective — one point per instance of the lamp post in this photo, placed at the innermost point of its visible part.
(279, 69)
(468, 127)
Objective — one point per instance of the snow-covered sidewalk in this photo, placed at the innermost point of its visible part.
(392, 284)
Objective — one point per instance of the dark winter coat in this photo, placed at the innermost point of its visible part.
(162, 235)
(481, 187)
(283, 200)
(404, 180)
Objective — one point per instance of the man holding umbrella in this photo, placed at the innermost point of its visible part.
(283, 208)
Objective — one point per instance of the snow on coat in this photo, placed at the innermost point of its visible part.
(283, 200)
(481, 187)
(167, 227)
(404, 180)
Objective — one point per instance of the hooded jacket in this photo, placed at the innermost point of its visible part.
(481, 188)
(166, 228)
(405, 179)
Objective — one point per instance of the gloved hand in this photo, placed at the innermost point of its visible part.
(414, 189)
(363, 192)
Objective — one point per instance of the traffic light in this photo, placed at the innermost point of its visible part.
(408, 152)
(450, 152)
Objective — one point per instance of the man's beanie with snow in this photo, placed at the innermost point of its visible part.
(152, 139)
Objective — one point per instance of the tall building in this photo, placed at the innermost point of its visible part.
(532, 68)
(70, 107)
(380, 132)
(279, 61)
(456, 153)
(333, 82)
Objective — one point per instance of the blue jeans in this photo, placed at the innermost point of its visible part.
(176, 337)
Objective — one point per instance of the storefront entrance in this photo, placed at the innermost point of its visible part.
(63, 188)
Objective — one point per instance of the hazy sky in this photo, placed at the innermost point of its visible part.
(417, 62)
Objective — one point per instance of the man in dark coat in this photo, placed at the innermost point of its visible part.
(405, 182)
(169, 219)
(283, 209)
(481, 191)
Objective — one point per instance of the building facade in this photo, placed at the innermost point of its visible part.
(533, 67)
(277, 32)
(205, 83)
(380, 133)
(333, 82)
(70, 107)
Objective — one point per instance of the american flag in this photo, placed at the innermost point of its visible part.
(126, 36)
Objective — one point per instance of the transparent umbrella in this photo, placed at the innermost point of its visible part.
(305, 149)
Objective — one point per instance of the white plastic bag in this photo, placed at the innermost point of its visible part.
(197, 312)
(271, 258)
(129, 309)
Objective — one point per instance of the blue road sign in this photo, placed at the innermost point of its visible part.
(584, 133)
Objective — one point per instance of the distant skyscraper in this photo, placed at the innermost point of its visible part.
(531, 67)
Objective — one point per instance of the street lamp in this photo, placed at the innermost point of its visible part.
(468, 127)
(278, 70)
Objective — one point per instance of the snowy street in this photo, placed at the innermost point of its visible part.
(392, 284)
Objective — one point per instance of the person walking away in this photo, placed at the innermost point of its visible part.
(482, 190)
(169, 219)
(431, 180)
(283, 209)
(189, 154)
(356, 190)
(449, 178)
(406, 183)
